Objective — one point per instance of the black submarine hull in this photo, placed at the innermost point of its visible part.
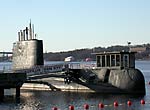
(129, 81)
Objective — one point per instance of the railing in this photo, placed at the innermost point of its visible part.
(40, 69)
(82, 65)
(44, 69)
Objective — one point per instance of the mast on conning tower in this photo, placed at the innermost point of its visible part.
(30, 30)
(27, 33)
(33, 31)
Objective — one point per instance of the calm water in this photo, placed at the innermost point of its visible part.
(45, 100)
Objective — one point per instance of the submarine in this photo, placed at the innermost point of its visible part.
(114, 72)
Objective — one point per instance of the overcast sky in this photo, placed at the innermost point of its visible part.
(74, 24)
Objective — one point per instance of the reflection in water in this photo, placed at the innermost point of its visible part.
(45, 100)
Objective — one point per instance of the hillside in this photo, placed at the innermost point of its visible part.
(82, 54)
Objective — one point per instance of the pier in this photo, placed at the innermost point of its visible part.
(5, 56)
(11, 80)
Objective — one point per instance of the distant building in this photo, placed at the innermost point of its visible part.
(138, 49)
(68, 59)
(88, 59)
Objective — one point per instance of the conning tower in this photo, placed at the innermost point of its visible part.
(28, 50)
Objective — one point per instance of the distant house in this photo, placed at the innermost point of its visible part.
(138, 49)
(68, 59)
(88, 59)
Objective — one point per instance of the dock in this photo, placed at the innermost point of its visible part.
(11, 80)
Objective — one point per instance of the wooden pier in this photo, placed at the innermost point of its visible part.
(11, 80)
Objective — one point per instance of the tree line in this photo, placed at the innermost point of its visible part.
(82, 54)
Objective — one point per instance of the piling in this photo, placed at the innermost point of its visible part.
(1, 94)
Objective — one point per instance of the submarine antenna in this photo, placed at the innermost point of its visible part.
(26, 33)
(19, 39)
(33, 31)
(30, 28)
(35, 36)
(129, 43)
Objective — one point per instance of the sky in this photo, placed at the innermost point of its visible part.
(65, 25)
